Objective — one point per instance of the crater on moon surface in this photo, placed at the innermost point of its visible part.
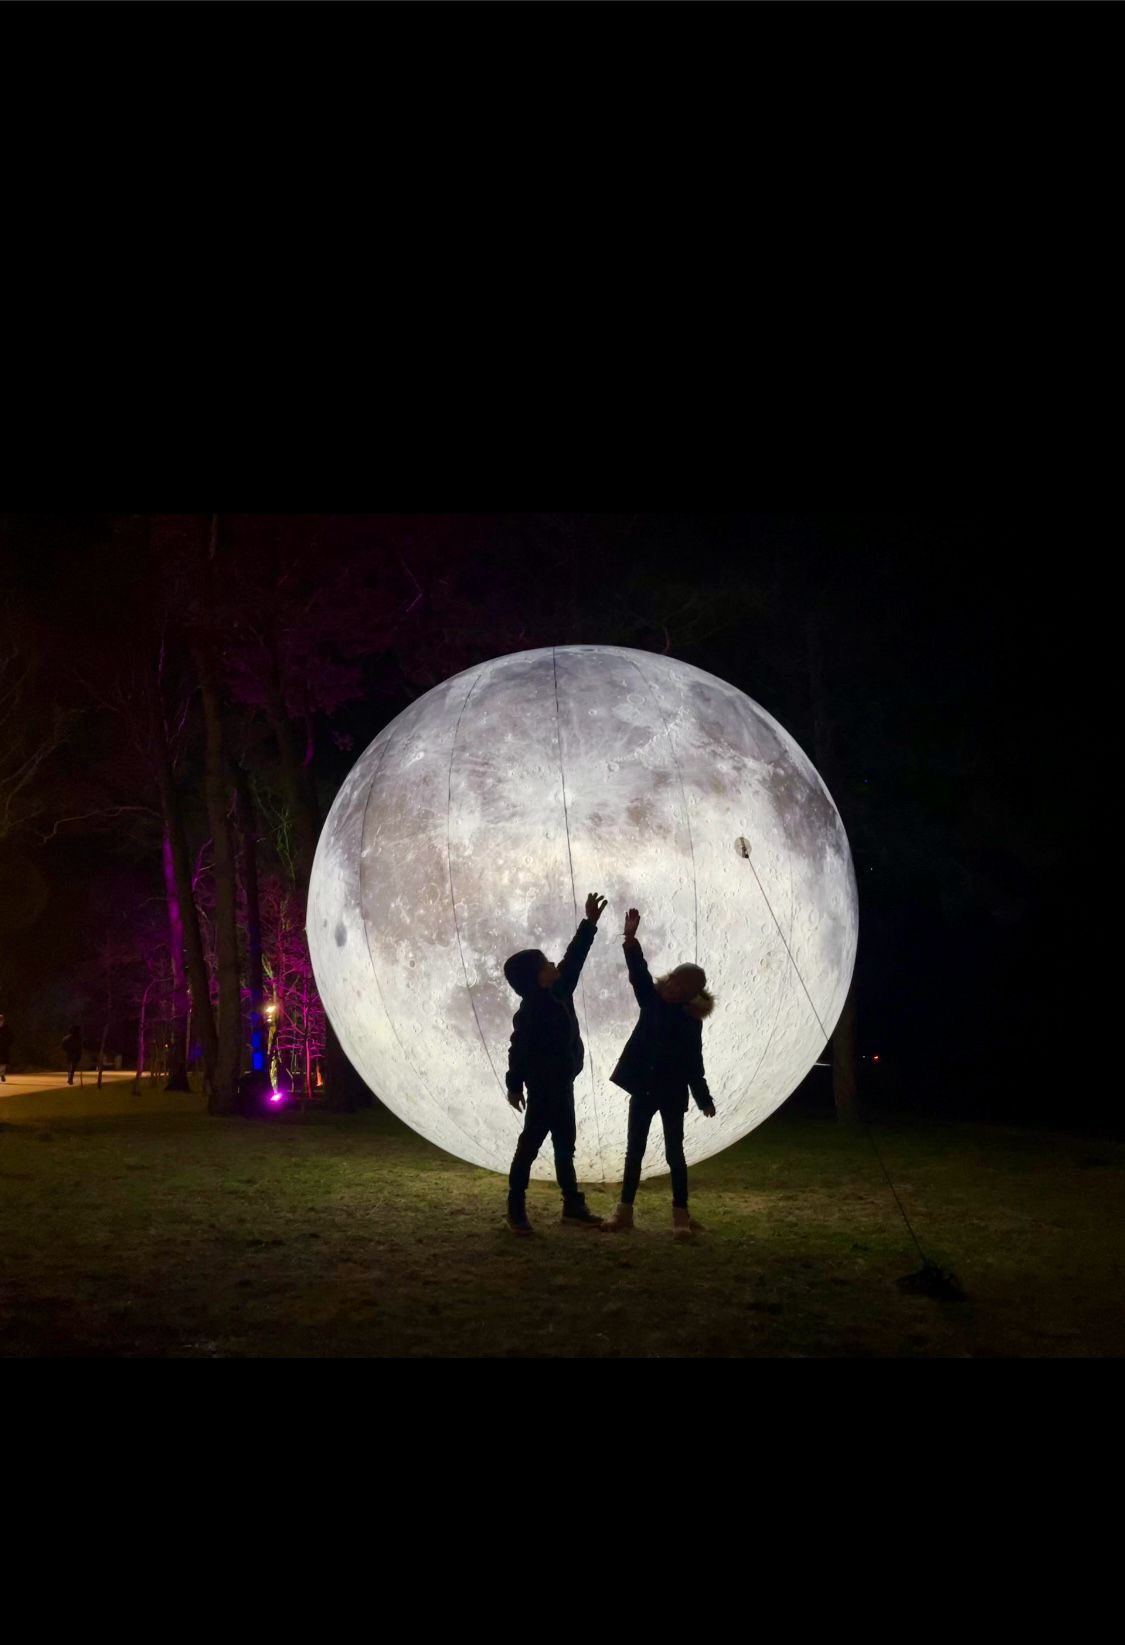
(475, 824)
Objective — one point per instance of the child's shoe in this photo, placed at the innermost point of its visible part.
(578, 1212)
(681, 1222)
(621, 1222)
(516, 1220)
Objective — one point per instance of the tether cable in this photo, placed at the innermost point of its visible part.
(931, 1278)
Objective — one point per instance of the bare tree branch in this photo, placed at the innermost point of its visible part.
(106, 812)
(26, 742)
(416, 583)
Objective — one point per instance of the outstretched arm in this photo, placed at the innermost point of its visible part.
(697, 1079)
(570, 966)
(643, 986)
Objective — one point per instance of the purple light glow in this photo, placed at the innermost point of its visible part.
(275, 1096)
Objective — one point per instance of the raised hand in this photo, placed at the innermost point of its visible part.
(632, 920)
(594, 906)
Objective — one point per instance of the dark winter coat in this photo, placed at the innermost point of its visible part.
(5, 1042)
(665, 1050)
(546, 1045)
(72, 1046)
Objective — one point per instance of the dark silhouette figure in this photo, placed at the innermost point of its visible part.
(662, 1061)
(5, 1048)
(72, 1050)
(254, 1092)
(547, 1055)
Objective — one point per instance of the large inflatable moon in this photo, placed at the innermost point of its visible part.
(475, 824)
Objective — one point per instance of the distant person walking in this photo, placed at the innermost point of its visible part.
(72, 1050)
(5, 1048)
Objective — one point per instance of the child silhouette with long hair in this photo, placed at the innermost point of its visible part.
(546, 1052)
(662, 1061)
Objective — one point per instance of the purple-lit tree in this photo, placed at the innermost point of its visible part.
(250, 922)
(223, 1096)
(135, 712)
(300, 616)
(297, 1023)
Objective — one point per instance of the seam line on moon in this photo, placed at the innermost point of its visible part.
(683, 797)
(371, 961)
(452, 898)
(574, 901)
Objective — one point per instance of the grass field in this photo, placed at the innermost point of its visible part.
(138, 1226)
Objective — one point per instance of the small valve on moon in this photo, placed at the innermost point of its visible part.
(742, 846)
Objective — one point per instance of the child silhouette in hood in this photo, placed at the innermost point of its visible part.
(546, 1055)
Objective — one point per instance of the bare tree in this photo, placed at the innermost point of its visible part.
(845, 1065)
(177, 1060)
(183, 915)
(28, 736)
(223, 1097)
(248, 836)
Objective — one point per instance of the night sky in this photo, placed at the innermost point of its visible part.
(954, 694)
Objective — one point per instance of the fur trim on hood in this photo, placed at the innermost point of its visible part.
(701, 1006)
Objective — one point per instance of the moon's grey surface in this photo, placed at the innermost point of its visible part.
(475, 824)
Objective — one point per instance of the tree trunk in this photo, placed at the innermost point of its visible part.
(199, 1002)
(340, 1079)
(308, 1054)
(299, 793)
(247, 824)
(845, 1063)
(177, 1058)
(224, 1091)
(141, 1042)
(300, 796)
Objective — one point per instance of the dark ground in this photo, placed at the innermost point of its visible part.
(138, 1226)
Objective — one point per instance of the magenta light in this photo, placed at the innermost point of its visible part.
(275, 1096)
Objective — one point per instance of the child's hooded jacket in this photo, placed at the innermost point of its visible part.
(546, 1045)
(664, 1053)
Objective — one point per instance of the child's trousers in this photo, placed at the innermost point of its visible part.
(550, 1108)
(642, 1110)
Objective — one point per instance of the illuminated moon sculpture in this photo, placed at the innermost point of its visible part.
(475, 824)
